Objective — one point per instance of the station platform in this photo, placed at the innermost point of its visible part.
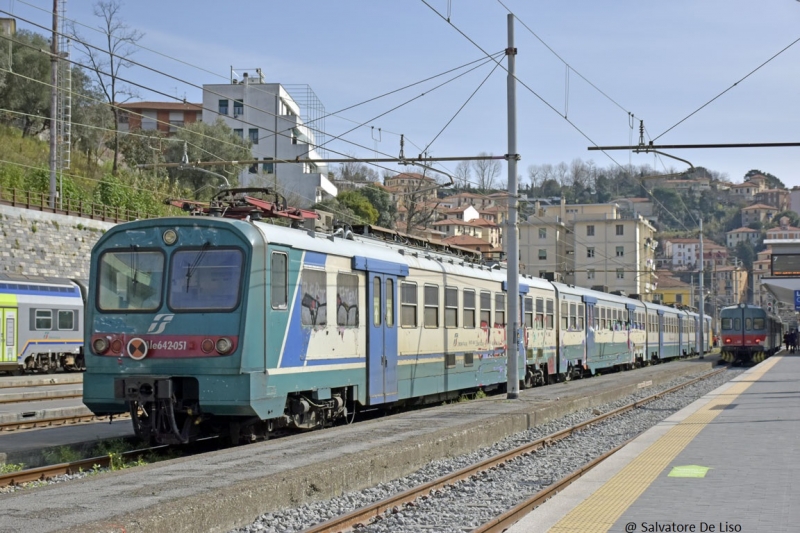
(726, 463)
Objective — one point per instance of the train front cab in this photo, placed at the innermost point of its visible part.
(744, 330)
(166, 338)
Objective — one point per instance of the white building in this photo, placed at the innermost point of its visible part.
(267, 115)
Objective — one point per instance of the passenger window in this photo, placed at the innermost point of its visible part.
(390, 302)
(564, 316)
(376, 301)
(314, 305)
(499, 310)
(469, 308)
(280, 283)
(550, 322)
(347, 300)
(450, 307)
(66, 320)
(486, 309)
(431, 306)
(408, 302)
(539, 313)
(528, 312)
(44, 319)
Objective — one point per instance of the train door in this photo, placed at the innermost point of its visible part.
(8, 335)
(382, 338)
(591, 330)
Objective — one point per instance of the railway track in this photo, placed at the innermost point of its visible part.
(366, 514)
(34, 423)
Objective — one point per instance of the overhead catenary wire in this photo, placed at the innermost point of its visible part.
(549, 105)
(170, 96)
(684, 119)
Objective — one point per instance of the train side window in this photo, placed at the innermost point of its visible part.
(539, 313)
(390, 303)
(573, 317)
(431, 306)
(314, 305)
(499, 310)
(66, 320)
(450, 307)
(549, 316)
(347, 300)
(758, 323)
(528, 312)
(279, 269)
(564, 316)
(486, 309)
(596, 318)
(408, 302)
(580, 317)
(376, 301)
(469, 308)
(748, 324)
(44, 319)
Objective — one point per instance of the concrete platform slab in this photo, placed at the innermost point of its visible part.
(727, 462)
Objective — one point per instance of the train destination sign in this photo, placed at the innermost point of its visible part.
(786, 265)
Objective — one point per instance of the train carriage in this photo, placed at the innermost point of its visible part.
(42, 324)
(749, 334)
(236, 327)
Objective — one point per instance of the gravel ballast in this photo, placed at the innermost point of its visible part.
(469, 503)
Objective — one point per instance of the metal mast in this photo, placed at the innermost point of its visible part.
(64, 104)
(702, 293)
(54, 104)
(512, 258)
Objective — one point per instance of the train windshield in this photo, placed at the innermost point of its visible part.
(130, 280)
(205, 279)
(758, 323)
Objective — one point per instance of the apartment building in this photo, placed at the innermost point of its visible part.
(736, 236)
(780, 199)
(758, 213)
(273, 121)
(165, 117)
(590, 245)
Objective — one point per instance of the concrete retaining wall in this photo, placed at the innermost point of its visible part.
(37, 243)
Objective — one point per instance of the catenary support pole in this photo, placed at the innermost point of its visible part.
(54, 105)
(512, 240)
(702, 293)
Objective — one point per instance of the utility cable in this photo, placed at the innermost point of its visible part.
(728, 89)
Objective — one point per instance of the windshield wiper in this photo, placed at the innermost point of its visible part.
(134, 263)
(193, 266)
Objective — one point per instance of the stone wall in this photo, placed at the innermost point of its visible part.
(36, 243)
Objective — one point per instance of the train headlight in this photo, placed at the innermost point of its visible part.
(170, 237)
(224, 345)
(100, 345)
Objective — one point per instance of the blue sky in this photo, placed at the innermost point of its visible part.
(659, 60)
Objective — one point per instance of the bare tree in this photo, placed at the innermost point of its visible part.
(118, 46)
(462, 175)
(355, 171)
(486, 172)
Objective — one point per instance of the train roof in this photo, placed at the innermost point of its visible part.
(34, 280)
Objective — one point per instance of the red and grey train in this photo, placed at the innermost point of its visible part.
(749, 333)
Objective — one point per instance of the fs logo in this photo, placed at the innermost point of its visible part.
(160, 323)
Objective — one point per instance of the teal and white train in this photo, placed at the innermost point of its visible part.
(211, 325)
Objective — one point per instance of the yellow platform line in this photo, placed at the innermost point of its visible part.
(601, 510)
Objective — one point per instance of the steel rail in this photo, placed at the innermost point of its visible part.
(43, 473)
(22, 399)
(50, 422)
(363, 515)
